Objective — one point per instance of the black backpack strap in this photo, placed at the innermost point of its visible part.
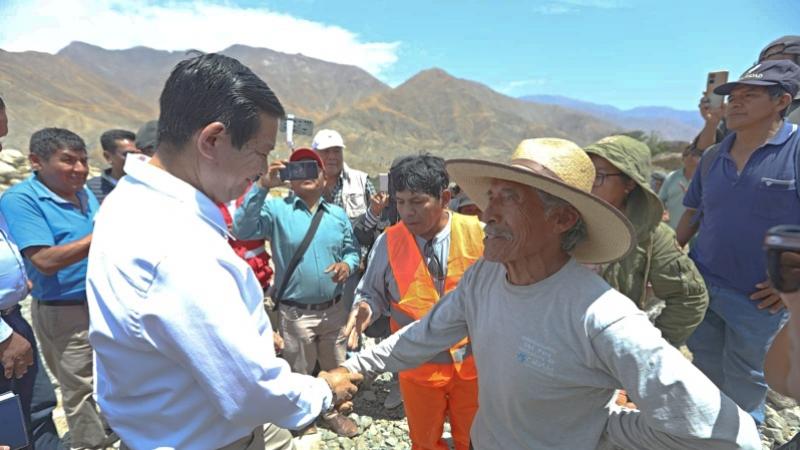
(298, 255)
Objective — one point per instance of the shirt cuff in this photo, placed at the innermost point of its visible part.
(327, 395)
(5, 330)
(370, 220)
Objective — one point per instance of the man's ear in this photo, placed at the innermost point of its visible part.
(35, 161)
(107, 156)
(446, 197)
(566, 218)
(210, 138)
(784, 101)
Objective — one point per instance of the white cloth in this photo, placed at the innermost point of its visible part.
(13, 280)
(549, 357)
(183, 346)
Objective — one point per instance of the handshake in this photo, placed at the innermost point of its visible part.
(343, 385)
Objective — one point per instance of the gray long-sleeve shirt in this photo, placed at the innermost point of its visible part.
(549, 357)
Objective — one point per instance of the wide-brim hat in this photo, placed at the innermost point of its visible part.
(562, 169)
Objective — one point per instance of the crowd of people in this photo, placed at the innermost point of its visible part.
(197, 296)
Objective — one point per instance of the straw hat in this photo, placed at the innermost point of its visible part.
(560, 168)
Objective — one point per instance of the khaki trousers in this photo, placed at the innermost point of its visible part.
(63, 335)
(311, 336)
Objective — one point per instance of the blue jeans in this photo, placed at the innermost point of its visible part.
(730, 344)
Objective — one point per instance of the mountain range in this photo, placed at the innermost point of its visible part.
(668, 123)
(89, 89)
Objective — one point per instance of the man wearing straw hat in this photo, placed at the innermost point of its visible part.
(551, 340)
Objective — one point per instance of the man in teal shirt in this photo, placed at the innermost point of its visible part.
(311, 314)
(677, 182)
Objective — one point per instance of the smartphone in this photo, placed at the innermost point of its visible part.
(715, 79)
(782, 244)
(299, 170)
(383, 182)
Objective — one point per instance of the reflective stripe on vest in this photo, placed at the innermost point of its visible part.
(418, 293)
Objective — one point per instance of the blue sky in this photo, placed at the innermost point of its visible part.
(621, 52)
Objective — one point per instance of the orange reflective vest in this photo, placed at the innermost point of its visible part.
(418, 293)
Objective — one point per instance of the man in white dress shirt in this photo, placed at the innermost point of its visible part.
(184, 348)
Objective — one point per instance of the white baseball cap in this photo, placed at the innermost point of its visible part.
(327, 139)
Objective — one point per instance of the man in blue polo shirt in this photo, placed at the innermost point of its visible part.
(312, 315)
(743, 186)
(50, 216)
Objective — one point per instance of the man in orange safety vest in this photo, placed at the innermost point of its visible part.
(412, 264)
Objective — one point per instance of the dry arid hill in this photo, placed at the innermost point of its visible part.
(90, 89)
(435, 112)
(307, 87)
(43, 90)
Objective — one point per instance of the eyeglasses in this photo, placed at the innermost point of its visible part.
(600, 177)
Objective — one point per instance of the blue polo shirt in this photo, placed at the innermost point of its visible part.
(738, 208)
(38, 216)
(284, 222)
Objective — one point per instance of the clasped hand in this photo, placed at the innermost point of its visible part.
(343, 384)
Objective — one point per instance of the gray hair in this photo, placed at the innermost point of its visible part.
(575, 235)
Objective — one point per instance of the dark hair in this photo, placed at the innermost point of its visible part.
(108, 140)
(213, 88)
(775, 92)
(423, 173)
(2, 103)
(47, 141)
(692, 150)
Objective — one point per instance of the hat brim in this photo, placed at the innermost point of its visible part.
(610, 235)
(725, 89)
(301, 154)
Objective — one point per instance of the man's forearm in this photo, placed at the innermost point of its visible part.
(707, 136)
(50, 260)
(687, 227)
(778, 362)
(247, 218)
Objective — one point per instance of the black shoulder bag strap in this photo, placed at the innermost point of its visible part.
(298, 254)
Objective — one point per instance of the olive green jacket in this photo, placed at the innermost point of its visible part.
(657, 258)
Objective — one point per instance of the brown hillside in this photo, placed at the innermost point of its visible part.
(307, 87)
(436, 112)
(43, 90)
(90, 89)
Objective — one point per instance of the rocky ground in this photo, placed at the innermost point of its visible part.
(388, 429)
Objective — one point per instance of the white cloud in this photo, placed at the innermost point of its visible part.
(49, 25)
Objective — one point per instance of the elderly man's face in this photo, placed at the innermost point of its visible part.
(516, 224)
(333, 159)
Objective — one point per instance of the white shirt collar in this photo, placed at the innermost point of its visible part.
(138, 169)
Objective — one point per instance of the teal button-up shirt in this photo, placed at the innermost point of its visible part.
(284, 222)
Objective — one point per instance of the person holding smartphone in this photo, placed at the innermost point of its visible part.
(715, 128)
(312, 314)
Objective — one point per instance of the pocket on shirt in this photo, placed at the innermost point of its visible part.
(355, 203)
(774, 198)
